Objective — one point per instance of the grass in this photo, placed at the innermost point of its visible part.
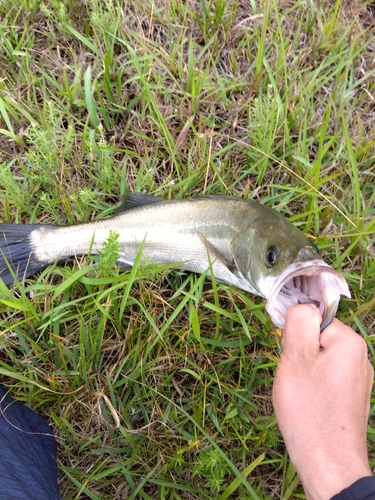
(157, 383)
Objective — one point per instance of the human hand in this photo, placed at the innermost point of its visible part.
(321, 397)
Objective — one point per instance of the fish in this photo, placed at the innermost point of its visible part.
(240, 241)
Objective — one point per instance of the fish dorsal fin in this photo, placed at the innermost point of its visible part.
(136, 200)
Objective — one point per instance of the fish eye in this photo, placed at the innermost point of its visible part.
(272, 254)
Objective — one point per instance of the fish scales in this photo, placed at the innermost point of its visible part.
(245, 243)
(163, 236)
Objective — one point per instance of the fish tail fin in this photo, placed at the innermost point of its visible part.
(17, 258)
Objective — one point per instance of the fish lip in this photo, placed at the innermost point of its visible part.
(332, 285)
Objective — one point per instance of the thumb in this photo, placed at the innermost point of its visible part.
(302, 330)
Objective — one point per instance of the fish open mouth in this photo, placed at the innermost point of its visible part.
(310, 282)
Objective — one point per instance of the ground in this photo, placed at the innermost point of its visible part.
(157, 383)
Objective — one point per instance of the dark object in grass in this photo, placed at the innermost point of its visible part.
(28, 450)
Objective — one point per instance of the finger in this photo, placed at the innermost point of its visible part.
(337, 332)
(343, 337)
(302, 329)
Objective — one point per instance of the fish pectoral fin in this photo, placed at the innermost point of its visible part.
(136, 200)
(123, 264)
(216, 255)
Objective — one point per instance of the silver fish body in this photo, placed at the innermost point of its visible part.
(245, 243)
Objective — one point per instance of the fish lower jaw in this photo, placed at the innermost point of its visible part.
(307, 283)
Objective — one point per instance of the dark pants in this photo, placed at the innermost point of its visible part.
(28, 468)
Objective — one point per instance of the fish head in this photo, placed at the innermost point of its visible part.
(285, 267)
